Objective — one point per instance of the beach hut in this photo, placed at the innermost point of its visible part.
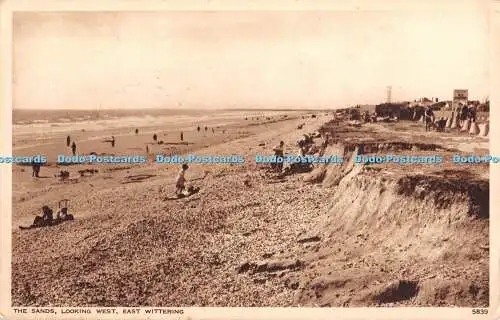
(465, 125)
(484, 129)
(449, 121)
(474, 129)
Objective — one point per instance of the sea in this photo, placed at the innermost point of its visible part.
(53, 122)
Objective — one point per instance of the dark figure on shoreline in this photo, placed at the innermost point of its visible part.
(147, 149)
(213, 131)
(182, 136)
(68, 141)
(73, 148)
(113, 141)
(206, 128)
(198, 128)
(155, 137)
(136, 131)
(36, 170)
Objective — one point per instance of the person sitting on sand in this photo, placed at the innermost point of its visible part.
(181, 180)
(47, 214)
(303, 148)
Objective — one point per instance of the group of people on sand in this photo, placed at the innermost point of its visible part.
(466, 113)
(37, 166)
(47, 218)
(368, 117)
(305, 144)
(430, 120)
(155, 136)
(462, 114)
(206, 129)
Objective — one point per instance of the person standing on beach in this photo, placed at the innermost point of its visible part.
(199, 129)
(206, 128)
(147, 149)
(429, 118)
(464, 112)
(33, 167)
(155, 137)
(36, 170)
(136, 131)
(181, 180)
(113, 141)
(471, 112)
(457, 120)
(213, 131)
(73, 148)
(182, 136)
(68, 141)
(279, 154)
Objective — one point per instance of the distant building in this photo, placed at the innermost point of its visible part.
(370, 108)
(441, 105)
(422, 102)
(399, 110)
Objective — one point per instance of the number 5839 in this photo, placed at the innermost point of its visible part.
(479, 311)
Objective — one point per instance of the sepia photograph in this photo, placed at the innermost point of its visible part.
(250, 159)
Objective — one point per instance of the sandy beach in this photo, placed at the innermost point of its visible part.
(339, 235)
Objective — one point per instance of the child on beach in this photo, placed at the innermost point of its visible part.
(180, 180)
(279, 153)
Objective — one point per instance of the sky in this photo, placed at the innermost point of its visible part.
(245, 59)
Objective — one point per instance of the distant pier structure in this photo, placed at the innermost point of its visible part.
(389, 94)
